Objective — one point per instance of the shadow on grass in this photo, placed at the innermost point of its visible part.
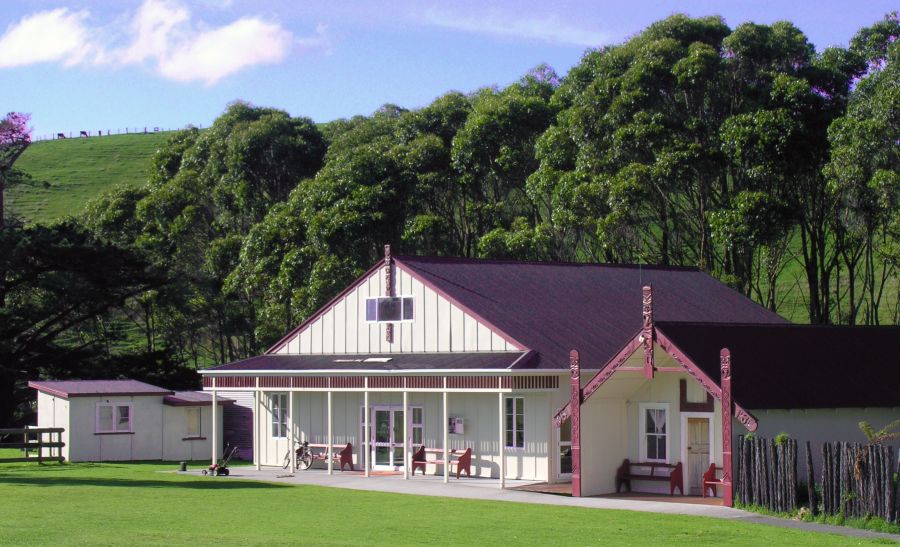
(205, 483)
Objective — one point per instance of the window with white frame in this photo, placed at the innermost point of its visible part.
(193, 421)
(515, 422)
(417, 426)
(654, 427)
(114, 418)
(279, 415)
(382, 309)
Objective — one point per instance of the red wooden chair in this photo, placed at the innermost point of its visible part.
(345, 457)
(464, 463)
(418, 460)
(710, 481)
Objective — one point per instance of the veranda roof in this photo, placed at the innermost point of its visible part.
(384, 362)
(798, 366)
(193, 398)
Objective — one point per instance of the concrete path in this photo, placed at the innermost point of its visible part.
(489, 489)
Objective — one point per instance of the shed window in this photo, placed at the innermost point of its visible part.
(389, 308)
(279, 415)
(193, 422)
(654, 432)
(114, 418)
(515, 422)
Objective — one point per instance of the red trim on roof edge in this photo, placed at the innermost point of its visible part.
(499, 332)
(745, 418)
(324, 309)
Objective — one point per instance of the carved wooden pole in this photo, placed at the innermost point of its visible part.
(575, 420)
(388, 289)
(727, 412)
(647, 331)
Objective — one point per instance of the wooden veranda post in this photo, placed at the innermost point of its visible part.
(215, 424)
(575, 419)
(727, 412)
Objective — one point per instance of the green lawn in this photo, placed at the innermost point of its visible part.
(140, 504)
(67, 173)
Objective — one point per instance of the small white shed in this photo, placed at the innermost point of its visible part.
(116, 420)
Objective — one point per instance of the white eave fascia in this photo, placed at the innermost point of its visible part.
(365, 371)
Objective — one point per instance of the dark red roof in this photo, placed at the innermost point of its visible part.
(91, 388)
(554, 307)
(193, 398)
(386, 362)
(798, 366)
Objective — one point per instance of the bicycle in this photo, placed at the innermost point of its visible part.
(304, 457)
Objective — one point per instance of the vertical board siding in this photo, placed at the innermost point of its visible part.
(424, 382)
(274, 381)
(437, 325)
(535, 382)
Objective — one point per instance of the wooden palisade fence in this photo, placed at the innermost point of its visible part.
(766, 473)
(33, 440)
(858, 480)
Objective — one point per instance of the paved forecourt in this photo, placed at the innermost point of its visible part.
(487, 489)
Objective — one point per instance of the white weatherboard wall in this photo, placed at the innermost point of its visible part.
(159, 430)
(176, 443)
(603, 444)
(144, 444)
(438, 325)
(54, 412)
(479, 411)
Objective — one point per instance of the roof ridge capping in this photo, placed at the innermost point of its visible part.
(464, 260)
(808, 326)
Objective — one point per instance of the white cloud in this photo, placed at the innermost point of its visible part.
(154, 27)
(547, 29)
(162, 36)
(212, 55)
(46, 36)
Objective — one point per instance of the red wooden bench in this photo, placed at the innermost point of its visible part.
(710, 481)
(627, 472)
(418, 460)
(344, 457)
(462, 464)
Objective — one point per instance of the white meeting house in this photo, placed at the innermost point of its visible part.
(423, 361)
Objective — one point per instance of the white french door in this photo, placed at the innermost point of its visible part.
(386, 430)
(387, 438)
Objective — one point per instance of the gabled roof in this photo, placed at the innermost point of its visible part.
(554, 307)
(94, 388)
(384, 362)
(193, 398)
(798, 366)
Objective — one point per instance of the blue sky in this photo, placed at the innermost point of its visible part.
(108, 64)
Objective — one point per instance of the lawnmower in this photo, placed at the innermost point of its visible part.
(221, 467)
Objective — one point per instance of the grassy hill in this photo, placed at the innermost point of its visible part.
(68, 173)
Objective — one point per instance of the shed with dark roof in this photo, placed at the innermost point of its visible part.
(107, 420)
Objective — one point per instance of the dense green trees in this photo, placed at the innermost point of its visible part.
(58, 288)
(742, 151)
